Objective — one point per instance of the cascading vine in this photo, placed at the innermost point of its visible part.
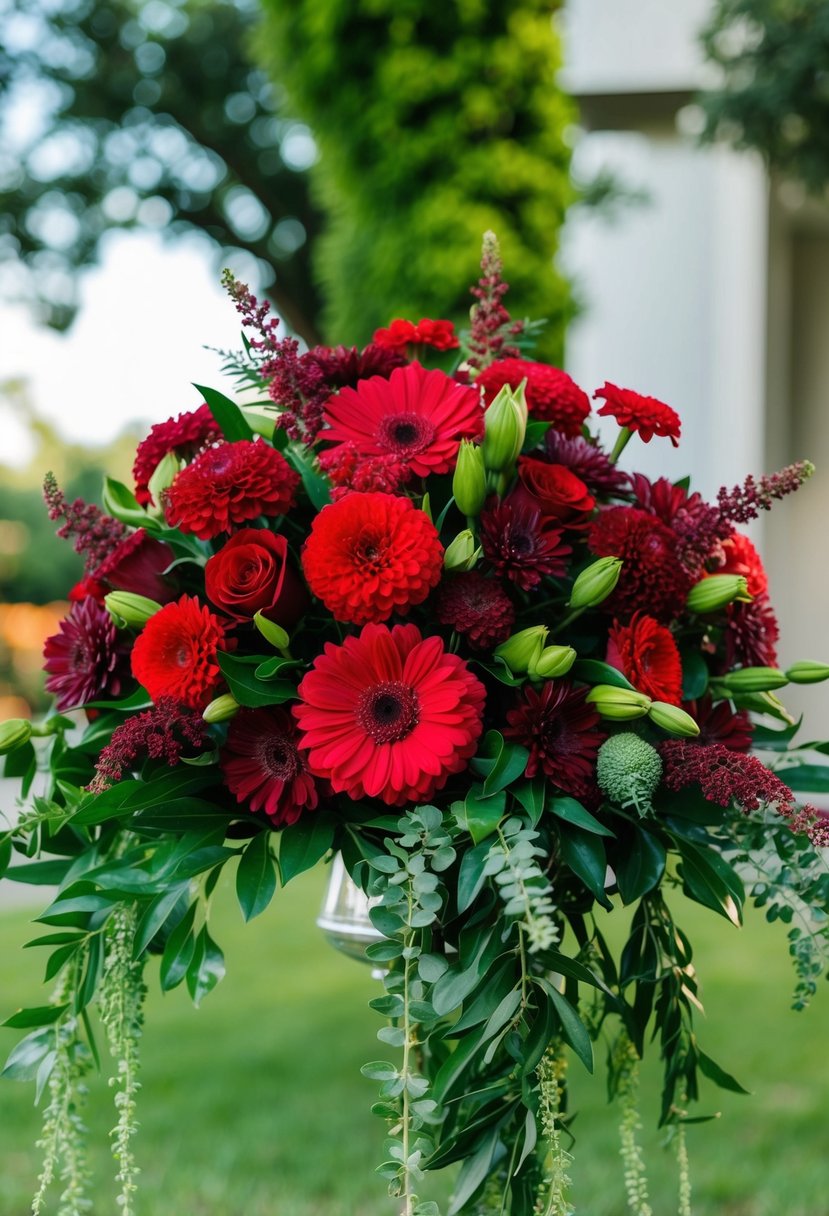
(626, 1078)
(552, 1195)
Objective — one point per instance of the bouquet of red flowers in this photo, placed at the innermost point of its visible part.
(408, 610)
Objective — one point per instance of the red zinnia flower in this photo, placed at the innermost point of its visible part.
(401, 333)
(742, 558)
(262, 766)
(175, 653)
(476, 607)
(552, 395)
(369, 555)
(521, 546)
(389, 715)
(348, 470)
(647, 654)
(85, 660)
(644, 415)
(417, 416)
(185, 435)
(652, 577)
(229, 484)
(561, 731)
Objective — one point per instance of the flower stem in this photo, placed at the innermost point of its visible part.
(620, 444)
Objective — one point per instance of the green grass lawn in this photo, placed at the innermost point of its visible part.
(254, 1105)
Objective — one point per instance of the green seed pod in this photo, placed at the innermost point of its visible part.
(673, 719)
(595, 584)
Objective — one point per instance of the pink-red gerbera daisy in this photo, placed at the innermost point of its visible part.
(561, 731)
(369, 555)
(176, 653)
(647, 654)
(645, 415)
(417, 416)
(552, 395)
(652, 577)
(389, 715)
(262, 765)
(84, 660)
(230, 484)
(476, 607)
(185, 435)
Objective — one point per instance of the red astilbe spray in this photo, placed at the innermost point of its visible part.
(94, 533)
(161, 733)
(491, 325)
(745, 502)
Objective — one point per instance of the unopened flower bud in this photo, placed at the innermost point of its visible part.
(753, 679)
(523, 649)
(716, 591)
(469, 480)
(13, 734)
(595, 584)
(806, 672)
(127, 608)
(462, 553)
(618, 704)
(505, 425)
(554, 661)
(162, 478)
(221, 709)
(673, 719)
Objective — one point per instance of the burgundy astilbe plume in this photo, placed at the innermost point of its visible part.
(491, 325)
(745, 502)
(94, 533)
(161, 733)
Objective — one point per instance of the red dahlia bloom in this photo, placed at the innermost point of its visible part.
(477, 607)
(644, 415)
(348, 470)
(520, 545)
(369, 555)
(699, 528)
(85, 659)
(561, 731)
(401, 333)
(389, 715)
(647, 654)
(552, 395)
(229, 484)
(417, 416)
(185, 435)
(742, 558)
(175, 655)
(262, 765)
(652, 577)
(137, 564)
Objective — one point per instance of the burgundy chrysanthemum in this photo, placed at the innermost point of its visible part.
(185, 435)
(751, 634)
(175, 655)
(521, 546)
(343, 366)
(262, 765)
(137, 564)
(562, 734)
(718, 723)
(647, 654)
(389, 715)
(369, 555)
(84, 660)
(229, 484)
(477, 607)
(645, 415)
(161, 733)
(552, 395)
(588, 461)
(652, 577)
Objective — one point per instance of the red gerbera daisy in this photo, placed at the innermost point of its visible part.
(647, 654)
(652, 576)
(644, 415)
(262, 765)
(477, 607)
(561, 731)
(229, 484)
(175, 655)
(742, 558)
(85, 659)
(520, 545)
(369, 555)
(185, 435)
(552, 395)
(389, 715)
(417, 416)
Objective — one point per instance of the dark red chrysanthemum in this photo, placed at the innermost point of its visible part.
(521, 546)
(401, 333)
(477, 607)
(588, 461)
(229, 484)
(699, 528)
(644, 415)
(185, 436)
(137, 564)
(389, 715)
(562, 734)
(647, 654)
(742, 558)
(345, 365)
(175, 655)
(370, 555)
(262, 765)
(718, 723)
(417, 416)
(84, 660)
(161, 733)
(552, 395)
(751, 634)
(652, 577)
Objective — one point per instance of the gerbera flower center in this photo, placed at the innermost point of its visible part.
(279, 758)
(405, 434)
(388, 712)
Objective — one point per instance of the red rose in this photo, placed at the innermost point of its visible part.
(553, 490)
(251, 574)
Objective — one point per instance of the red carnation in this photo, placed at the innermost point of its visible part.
(561, 731)
(251, 573)
(185, 435)
(369, 555)
(229, 484)
(742, 558)
(477, 607)
(137, 564)
(415, 415)
(85, 659)
(175, 655)
(262, 765)
(644, 415)
(652, 577)
(553, 490)
(389, 715)
(521, 546)
(552, 395)
(647, 654)
(401, 333)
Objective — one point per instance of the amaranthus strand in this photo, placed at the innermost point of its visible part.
(552, 1196)
(682, 1160)
(626, 1064)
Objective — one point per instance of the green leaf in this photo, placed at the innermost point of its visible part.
(453, 987)
(27, 1056)
(39, 873)
(379, 1070)
(480, 815)
(229, 418)
(120, 502)
(256, 877)
(303, 843)
(540, 1033)
(593, 671)
(471, 876)
(710, 880)
(639, 863)
(155, 916)
(207, 967)
(572, 811)
(178, 952)
(768, 739)
(245, 685)
(498, 762)
(572, 1027)
(584, 853)
(474, 1171)
(806, 778)
(694, 675)
(316, 486)
(719, 1076)
(455, 1065)
(531, 796)
(42, 1015)
(535, 432)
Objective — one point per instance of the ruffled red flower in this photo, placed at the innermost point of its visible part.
(652, 577)
(520, 545)
(417, 416)
(552, 395)
(645, 415)
(647, 654)
(718, 723)
(742, 558)
(175, 655)
(85, 660)
(561, 731)
(342, 365)
(230, 484)
(699, 528)
(401, 333)
(389, 715)
(137, 564)
(262, 765)
(88, 587)
(370, 555)
(588, 461)
(751, 634)
(348, 470)
(554, 490)
(476, 607)
(185, 435)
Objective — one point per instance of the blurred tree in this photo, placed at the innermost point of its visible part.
(435, 121)
(774, 95)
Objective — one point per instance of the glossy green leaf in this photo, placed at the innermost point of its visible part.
(593, 671)
(584, 853)
(316, 486)
(572, 1027)
(708, 879)
(719, 1076)
(498, 762)
(206, 968)
(28, 1055)
(178, 951)
(248, 689)
(531, 795)
(256, 876)
(639, 863)
(42, 1015)
(474, 1172)
(480, 815)
(806, 778)
(455, 1065)
(229, 418)
(694, 675)
(471, 876)
(303, 844)
(572, 811)
(155, 916)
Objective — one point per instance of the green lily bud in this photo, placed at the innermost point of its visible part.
(553, 661)
(163, 475)
(523, 649)
(13, 734)
(469, 480)
(673, 719)
(619, 704)
(595, 583)
(715, 591)
(127, 608)
(221, 709)
(753, 679)
(806, 672)
(505, 425)
(462, 553)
